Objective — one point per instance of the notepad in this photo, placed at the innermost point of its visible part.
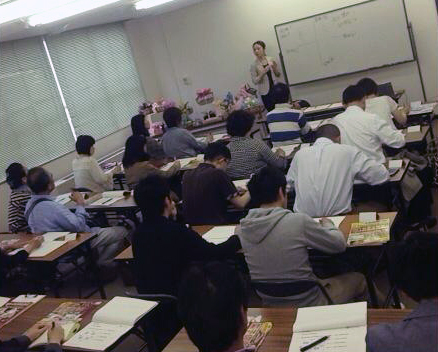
(337, 220)
(219, 234)
(287, 148)
(241, 183)
(413, 129)
(367, 216)
(110, 323)
(345, 324)
(394, 166)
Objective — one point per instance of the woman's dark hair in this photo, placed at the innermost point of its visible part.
(210, 302)
(150, 195)
(263, 186)
(415, 262)
(369, 86)
(138, 127)
(134, 151)
(84, 144)
(172, 116)
(239, 123)
(14, 175)
(259, 42)
(352, 93)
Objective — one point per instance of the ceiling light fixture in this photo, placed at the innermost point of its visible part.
(146, 4)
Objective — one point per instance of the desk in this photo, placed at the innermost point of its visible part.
(279, 338)
(417, 137)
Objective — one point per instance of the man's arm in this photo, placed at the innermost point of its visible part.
(388, 135)
(368, 169)
(325, 238)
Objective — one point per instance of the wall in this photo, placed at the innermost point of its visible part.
(62, 167)
(210, 43)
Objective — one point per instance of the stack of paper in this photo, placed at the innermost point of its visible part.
(219, 234)
(345, 326)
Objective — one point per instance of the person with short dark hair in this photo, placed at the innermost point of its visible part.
(137, 164)
(275, 244)
(213, 304)
(363, 130)
(323, 174)
(286, 125)
(248, 155)
(177, 141)
(140, 125)
(86, 170)
(264, 73)
(208, 190)
(45, 215)
(383, 106)
(162, 247)
(20, 195)
(415, 263)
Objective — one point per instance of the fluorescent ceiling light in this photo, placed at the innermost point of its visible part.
(66, 10)
(24, 8)
(146, 4)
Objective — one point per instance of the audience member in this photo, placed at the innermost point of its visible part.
(286, 125)
(323, 174)
(275, 243)
(248, 155)
(416, 272)
(140, 125)
(177, 141)
(44, 214)
(208, 190)
(382, 106)
(137, 164)
(86, 170)
(20, 195)
(366, 131)
(213, 303)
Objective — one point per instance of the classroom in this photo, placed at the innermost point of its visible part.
(219, 175)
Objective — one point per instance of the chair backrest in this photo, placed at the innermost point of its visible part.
(159, 297)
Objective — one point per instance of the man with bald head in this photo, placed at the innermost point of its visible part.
(323, 174)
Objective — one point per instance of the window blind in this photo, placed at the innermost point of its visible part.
(33, 124)
(98, 78)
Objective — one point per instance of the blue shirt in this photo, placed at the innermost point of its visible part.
(50, 216)
(180, 143)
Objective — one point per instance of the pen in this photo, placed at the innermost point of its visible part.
(313, 344)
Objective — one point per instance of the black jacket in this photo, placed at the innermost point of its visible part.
(21, 343)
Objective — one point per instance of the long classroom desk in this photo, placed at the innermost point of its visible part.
(279, 338)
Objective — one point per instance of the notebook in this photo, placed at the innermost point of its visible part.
(241, 183)
(219, 234)
(110, 323)
(337, 220)
(287, 148)
(344, 324)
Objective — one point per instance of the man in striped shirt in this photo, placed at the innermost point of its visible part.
(286, 125)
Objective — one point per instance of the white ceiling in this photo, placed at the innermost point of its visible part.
(119, 11)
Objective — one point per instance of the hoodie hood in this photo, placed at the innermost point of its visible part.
(259, 223)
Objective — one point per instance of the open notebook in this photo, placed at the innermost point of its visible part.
(344, 324)
(219, 234)
(110, 323)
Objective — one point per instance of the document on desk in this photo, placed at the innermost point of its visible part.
(106, 201)
(413, 129)
(53, 236)
(344, 324)
(219, 234)
(337, 220)
(287, 148)
(46, 248)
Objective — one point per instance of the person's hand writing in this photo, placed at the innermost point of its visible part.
(280, 152)
(55, 334)
(77, 198)
(326, 222)
(36, 331)
(33, 244)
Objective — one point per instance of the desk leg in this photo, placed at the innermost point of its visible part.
(91, 259)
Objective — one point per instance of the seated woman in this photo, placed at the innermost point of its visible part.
(248, 155)
(137, 164)
(86, 170)
(140, 125)
(20, 194)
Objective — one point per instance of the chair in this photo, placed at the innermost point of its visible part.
(285, 288)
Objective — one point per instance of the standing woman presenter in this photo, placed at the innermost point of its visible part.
(264, 74)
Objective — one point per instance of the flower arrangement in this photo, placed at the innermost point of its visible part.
(162, 104)
(145, 108)
(204, 96)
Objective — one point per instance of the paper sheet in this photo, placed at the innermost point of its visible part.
(219, 136)
(167, 166)
(113, 194)
(241, 183)
(287, 148)
(184, 162)
(413, 129)
(219, 234)
(106, 201)
(52, 236)
(367, 216)
(47, 247)
(3, 301)
(337, 220)
(28, 298)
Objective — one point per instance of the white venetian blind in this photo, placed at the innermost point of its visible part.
(98, 78)
(33, 124)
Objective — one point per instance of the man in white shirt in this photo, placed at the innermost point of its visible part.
(363, 130)
(383, 106)
(323, 174)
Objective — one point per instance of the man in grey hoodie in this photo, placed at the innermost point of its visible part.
(275, 243)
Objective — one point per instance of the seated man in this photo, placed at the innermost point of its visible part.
(213, 303)
(177, 141)
(207, 190)
(44, 215)
(416, 273)
(162, 247)
(363, 130)
(275, 243)
(323, 174)
(382, 106)
(286, 125)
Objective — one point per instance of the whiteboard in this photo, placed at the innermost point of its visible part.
(359, 37)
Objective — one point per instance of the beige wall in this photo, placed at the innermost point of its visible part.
(210, 43)
(62, 167)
